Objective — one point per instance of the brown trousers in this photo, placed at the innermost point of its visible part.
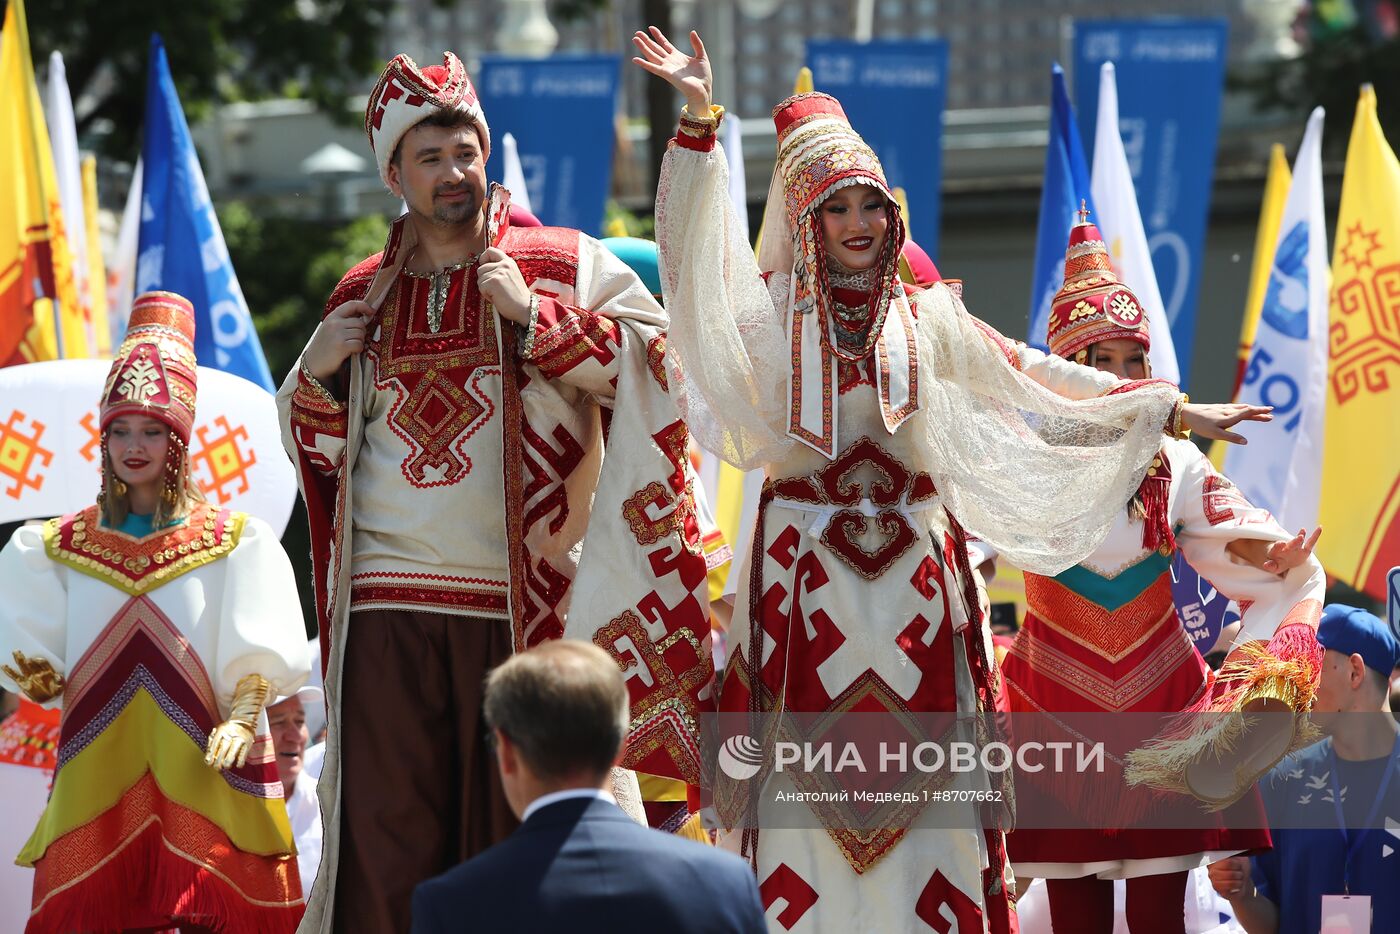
(419, 788)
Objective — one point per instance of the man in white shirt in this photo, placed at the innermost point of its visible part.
(287, 719)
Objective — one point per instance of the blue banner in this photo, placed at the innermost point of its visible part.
(1171, 78)
(1064, 188)
(181, 248)
(560, 111)
(1204, 611)
(893, 91)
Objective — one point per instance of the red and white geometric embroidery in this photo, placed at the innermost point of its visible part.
(784, 883)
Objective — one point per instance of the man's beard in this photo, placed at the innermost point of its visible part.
(455, 213)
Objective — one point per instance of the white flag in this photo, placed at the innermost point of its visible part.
(733, 143)
(121, 267)
(512, 175)
(63, 137)
(1120, 222)
(1281, 467)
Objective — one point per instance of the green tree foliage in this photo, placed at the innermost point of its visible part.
(287, 268)
(1329, 74)
(219, 50)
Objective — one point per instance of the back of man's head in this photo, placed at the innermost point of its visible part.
(563, 705)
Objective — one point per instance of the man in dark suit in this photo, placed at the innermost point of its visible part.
(558, 714)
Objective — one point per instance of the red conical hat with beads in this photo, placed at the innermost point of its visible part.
(1092, 305)
(154, 372)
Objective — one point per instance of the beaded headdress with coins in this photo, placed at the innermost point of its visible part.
(819, 153)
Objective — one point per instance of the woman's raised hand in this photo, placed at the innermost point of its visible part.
(689, 74)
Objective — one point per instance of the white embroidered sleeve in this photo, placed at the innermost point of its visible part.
(260, 623)
(729, 360)
(34, 609)
(579, 343)
(1062, 376)
(1210, 512)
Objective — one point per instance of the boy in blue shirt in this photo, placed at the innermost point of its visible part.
(1334, 807)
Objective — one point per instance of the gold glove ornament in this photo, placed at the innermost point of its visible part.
(230, 741)
(35, 677)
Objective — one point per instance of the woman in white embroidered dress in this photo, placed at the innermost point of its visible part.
(879, 415)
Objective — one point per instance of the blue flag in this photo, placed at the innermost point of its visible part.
(567, 166)
(893, 91)
(1066, 184)
(181, 248)
(1171, 82)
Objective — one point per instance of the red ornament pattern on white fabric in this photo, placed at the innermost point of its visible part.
(832, 485)
(942, 905)
(436, 375)
(785, 884)
(1220, 498)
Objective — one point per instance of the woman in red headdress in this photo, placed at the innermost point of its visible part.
(887, 420)
(161, 625)
(1103, 637)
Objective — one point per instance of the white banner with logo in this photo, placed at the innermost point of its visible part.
(50, 445)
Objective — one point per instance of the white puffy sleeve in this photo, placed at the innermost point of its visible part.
(1062, 376)
(260, 623)
(1209, 513)
(34, 606)
(729, 360)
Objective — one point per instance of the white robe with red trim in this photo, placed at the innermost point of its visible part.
(611, 541)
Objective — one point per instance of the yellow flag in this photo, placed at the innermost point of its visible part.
(1265, 239)
(903, 199)
(96, 271)
(1360, 508)
(35, 265)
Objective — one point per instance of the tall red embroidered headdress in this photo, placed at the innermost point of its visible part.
(406, 95)
(819, 153)
(1092, 305)
(154, 372)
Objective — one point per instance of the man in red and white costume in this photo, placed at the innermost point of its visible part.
(447, 422)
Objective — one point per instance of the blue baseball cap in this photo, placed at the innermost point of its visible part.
(1352, 631)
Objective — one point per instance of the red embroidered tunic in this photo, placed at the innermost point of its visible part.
(432, 416)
